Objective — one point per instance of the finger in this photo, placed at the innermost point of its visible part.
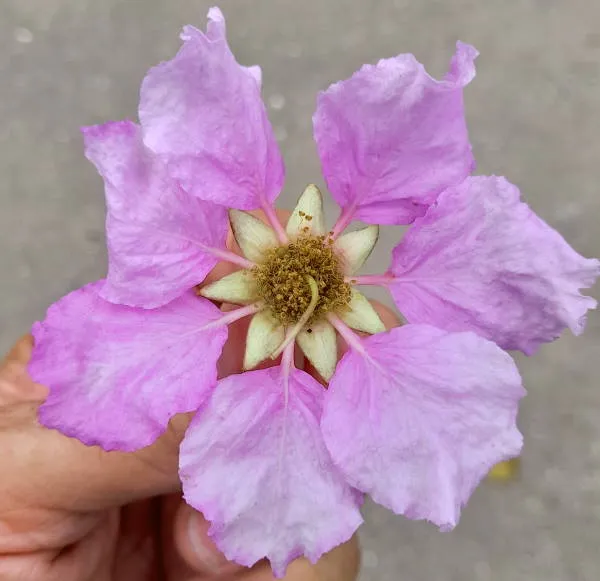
(68, 473)
(189, 552)
(341, 564)
(194, 557)
(16, 387)
(52, 470)
(88, 559)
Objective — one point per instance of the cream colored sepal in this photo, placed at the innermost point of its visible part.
(265, 334)
(308, 216)
(355, 247)
(238, 288)
(361, 315)
(320, 347)
(253, 236)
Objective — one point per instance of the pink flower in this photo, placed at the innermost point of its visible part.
(415, 416)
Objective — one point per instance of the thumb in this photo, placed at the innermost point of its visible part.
(51, 470)
(190, 554)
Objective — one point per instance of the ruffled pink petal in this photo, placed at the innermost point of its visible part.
(216, 30)
(157, 234)
(254, 463)
(481, 260)
(117, 374)
(204, 113)
(391, 138)
(419, 419)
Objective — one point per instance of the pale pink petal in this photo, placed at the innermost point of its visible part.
(118, 374)
(391, 137)
(157, 234)
(204, 113)
(419, 418)
(216, 30)
(254, 463)
(481, 260)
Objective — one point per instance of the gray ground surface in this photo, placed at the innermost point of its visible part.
(534, 115)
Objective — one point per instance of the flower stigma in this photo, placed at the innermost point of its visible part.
(281, 280)
(293, 333)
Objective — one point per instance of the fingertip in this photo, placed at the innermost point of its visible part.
(16, 386)
(21, 350)
(195, 547)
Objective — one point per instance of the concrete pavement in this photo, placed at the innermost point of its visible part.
(534, 116)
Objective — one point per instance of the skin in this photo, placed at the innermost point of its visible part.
(74, 513)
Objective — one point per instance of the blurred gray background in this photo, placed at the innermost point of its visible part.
(534, 116)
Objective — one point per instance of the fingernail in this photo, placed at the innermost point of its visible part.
(204, 549)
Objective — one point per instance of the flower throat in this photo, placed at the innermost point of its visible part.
(282, 279)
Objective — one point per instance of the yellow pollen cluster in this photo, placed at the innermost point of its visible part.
(282, 279)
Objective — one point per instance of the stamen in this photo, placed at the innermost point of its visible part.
(346, 333)
(343, 221)
(233, 316)
(314, 299)
(218, 252)
(229, 256)
(370, 279)
(275, 223)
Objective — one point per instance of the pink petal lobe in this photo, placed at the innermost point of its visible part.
(204, 113)
(391, 137)
(254, 463)
(156, 233)
(480, 260)
(117, 374)
(420, 419)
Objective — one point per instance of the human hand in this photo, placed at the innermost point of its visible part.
(74, 513)
(69, 512)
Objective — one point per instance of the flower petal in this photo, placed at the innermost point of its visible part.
(361, 315)
(265, 334)
(216, 30)
(308, 216)
(320, 347)
(254, 463)
(355, 247)
(253, 236)
(420, 418)
(117, 374)
(157, 234)
(391, 138)
(481, 260)
(238, 288)
(204, 113)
